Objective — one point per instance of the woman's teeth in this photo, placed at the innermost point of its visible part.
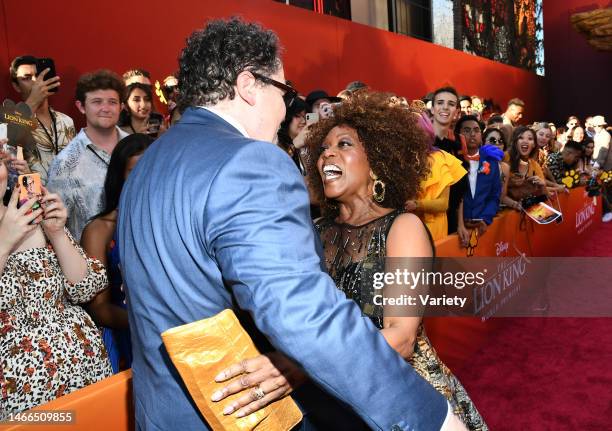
(331, 171)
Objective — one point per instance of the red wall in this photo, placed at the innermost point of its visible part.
(320, 51)
(577, 75)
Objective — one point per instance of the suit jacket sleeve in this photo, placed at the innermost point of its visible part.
(259, 231)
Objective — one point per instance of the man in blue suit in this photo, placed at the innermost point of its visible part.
(481, 199)
(214, 216)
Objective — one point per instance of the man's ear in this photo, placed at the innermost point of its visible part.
(80, 106)
(246, 86)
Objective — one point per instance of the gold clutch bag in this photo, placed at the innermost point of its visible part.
(201, 350)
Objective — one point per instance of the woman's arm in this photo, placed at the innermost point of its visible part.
(94, 240)
(105, 313)
(74, 266)
(407, 238)
(550, 180)
(462, 232)
(505, 199)
(438, 205)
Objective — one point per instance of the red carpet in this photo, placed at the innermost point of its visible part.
(547, 373)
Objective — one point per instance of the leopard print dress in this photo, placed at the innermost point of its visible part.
(49, 346)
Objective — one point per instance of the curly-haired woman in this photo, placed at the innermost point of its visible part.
(372, 159)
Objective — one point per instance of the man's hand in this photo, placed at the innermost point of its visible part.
(264, 379)
(464, 235)
(482, 227)
(41, 89)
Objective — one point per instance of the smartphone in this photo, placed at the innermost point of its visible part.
(154, 123)
(3, 131)
(312, 118)
(30, 186)
(47, 63)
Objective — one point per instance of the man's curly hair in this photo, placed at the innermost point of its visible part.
(215, 56)
(395, 145)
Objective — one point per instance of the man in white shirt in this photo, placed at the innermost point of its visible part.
(78, 173)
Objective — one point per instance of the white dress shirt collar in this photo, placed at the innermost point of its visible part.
(228, 118)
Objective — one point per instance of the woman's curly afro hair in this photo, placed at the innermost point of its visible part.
(396, 146)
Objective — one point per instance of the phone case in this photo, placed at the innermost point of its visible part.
(29, 186)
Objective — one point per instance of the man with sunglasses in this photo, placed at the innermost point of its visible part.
(214, 217)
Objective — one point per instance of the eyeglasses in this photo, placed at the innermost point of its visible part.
(289, 93)
(495, 140)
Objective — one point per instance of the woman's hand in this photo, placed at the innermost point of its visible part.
(264, 379)
(410, 206)
(21, 166)
(16, 224)
(300, 139)
(55, 214)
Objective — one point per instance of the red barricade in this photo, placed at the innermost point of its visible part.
(107, 405)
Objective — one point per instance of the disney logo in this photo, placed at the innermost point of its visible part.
(501, 247)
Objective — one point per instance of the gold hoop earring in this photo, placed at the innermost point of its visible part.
(378, 191)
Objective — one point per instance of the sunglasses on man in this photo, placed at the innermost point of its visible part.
(289, 93)
(496, 141)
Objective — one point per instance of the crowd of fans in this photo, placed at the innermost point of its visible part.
(478, 163)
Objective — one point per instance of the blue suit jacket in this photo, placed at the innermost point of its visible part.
(209, 219)
(485, 203)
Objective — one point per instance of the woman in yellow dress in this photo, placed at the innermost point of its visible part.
(432, 204)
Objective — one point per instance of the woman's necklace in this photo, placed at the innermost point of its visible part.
(523, 165)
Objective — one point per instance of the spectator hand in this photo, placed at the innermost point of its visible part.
(326, 110)
(16, 224)
(41, 89)
(21, 166)
(410, 206)
(464, 235)
(264, 379)
(482, 228)
(55, 214)
(300, 139)
(536, 180)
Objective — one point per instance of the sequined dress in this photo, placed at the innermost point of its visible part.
(352, 254)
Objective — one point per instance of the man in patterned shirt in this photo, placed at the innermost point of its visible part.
(78, 172)
(559, 163)
(55, 129)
